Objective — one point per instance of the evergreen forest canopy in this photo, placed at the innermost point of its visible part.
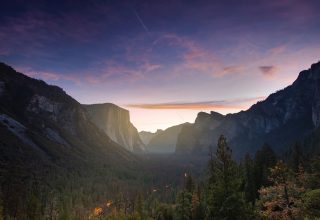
(259, 187)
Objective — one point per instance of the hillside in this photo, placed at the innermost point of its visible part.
(49, 147)
(285, 117)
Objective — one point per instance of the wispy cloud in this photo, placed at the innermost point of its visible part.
(229, 69)
(205, 105)
(196, 59)
(268, 71)
(113, 71)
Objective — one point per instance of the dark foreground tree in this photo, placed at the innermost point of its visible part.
(249, 185)
(224, 198)
(282, 200)
(265, 159)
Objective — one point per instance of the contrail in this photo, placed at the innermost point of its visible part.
(141, 22)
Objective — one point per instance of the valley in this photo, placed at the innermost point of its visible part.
(63, 160)
(159, 110)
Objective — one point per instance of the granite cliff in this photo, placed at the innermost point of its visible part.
(284, 117)
(115, 122)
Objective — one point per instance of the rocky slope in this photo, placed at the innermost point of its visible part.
(40, 122)
(284, 117)
(164, 141)
(146, 136)
(115, 122)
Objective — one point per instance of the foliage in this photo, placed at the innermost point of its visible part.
(184, 206)
(265, 158)
(164, 212)
(258, 187)
(313, 180)
(225, 200)
(311, 204)
(249, 185)
(282, 200)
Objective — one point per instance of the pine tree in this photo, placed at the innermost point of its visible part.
(265, 158)
(250, 189)
(139, 206)
(195, 206)
(225, 200)
(296, 157)
(189, 185)
(184, 206)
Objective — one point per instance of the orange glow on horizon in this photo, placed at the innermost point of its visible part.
(154, 116)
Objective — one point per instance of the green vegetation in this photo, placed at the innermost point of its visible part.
(262, 187)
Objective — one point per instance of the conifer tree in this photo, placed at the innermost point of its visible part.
(296, 157)
(139, 206)
(250, 189)
(225, 200)
(265, 159)
(189, 185)
(184, 206)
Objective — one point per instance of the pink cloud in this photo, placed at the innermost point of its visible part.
(193, 49)
(113, 71)
(228, 70)
(196, 59)
(268, 71)
(239, 104)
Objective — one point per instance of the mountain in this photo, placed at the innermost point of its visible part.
(41, 124)
(286, 116)
(115, 122)
(146, 136)
(54, 161)
(164, 141)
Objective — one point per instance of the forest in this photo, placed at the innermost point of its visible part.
(262, 186)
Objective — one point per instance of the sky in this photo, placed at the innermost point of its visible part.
(164, 61)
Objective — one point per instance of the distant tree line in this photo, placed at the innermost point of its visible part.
(258, 187)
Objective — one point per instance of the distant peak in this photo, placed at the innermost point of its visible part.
(203, 114)
(312, 73)
(315, 66)
(212, 114)
(216, 114)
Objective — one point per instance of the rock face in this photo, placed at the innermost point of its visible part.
(284, 117)
(146, 136)
(164, 141)
(39, 122)
(115, 122)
